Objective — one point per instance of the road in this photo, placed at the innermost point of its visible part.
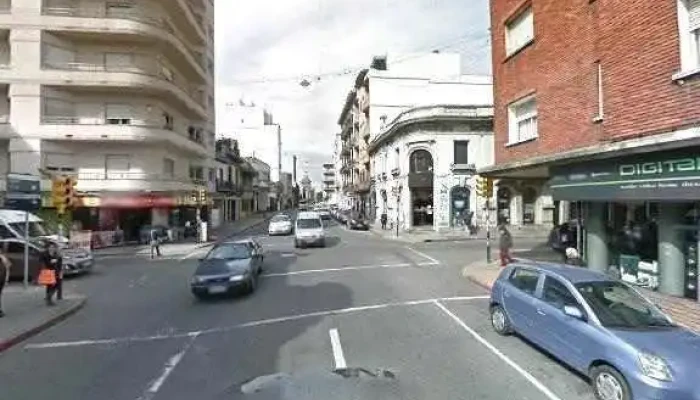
(361, 302)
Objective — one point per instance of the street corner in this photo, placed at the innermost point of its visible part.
(25, 318)
(482, 273)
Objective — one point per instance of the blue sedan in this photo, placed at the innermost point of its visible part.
(601, 327)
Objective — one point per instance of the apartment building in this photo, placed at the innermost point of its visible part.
(597, 119)
(119, 94)
(329, 184)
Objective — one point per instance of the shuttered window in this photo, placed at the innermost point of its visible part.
(118, 166)
(520, 31)
(118, 114)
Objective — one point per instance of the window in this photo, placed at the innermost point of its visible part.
(689, 34)
(522, 117)
(557, 294)
(525, 280)
(118, 114)
(520, 31)
(168, 167)
(117, 166)
(461, 148)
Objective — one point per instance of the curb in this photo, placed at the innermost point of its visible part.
(8, 343)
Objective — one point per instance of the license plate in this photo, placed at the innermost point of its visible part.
(217, 289)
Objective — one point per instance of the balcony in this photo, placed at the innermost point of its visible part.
(115, 129)
(133, 181)
(148, 19)
(139, 75)
(225, 186)
(463, 168)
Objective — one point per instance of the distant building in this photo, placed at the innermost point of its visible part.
(329, 184)
(261, 185)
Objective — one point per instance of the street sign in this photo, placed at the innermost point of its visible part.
(23, 192)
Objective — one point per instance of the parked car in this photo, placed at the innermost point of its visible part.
(325, 214)
(344, 216)
(309, 230)
(601, 327)
(227, 267)
(75, 261)
(280, 224)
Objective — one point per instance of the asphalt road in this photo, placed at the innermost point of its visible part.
(360, 302)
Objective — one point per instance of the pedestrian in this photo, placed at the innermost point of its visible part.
(505, 245)
(572, 257)
(384, 219)
(4, 276)
(155, 244)
(52, 274)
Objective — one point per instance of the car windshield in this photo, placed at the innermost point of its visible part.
(237, 251)
(35, 228)
(308, 223)
(280, 218)
(618, 306)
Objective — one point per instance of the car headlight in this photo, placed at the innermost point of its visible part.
(654, 367)
(236, 278)
(197, 279)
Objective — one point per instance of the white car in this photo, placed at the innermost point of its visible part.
(280, 224)
(309, 231)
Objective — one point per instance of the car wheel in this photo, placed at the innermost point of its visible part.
(323, 243)
(609, 384)
(296, 244)
(499, 321)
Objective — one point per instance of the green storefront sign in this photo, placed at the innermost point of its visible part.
(671, 175)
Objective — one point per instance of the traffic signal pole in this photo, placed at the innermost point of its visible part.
(488, 231)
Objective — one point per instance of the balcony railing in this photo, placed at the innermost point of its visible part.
(143, 15)
(152, 68)
(124, 121)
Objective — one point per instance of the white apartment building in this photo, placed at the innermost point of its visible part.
(430, 129)
(117, 93)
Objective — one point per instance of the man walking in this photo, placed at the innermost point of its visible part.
(53, 261)
(505, 244)
(155, 244)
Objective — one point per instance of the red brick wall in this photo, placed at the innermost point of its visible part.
(636, 42)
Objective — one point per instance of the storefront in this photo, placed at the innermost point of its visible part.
(640, 214)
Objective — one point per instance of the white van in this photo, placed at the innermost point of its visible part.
(309, 230)
(12, 226)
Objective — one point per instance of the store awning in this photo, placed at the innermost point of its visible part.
(662, 176)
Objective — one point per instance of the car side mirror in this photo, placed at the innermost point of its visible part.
(574, 312)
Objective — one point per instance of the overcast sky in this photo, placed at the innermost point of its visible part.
(264, 48)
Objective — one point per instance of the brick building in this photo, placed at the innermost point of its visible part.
(597, 116)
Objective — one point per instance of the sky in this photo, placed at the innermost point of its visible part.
(265, 48)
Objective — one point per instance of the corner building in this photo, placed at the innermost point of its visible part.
(119, 95)
(597, 121)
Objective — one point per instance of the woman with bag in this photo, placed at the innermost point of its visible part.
(4, 276)
(51, 273)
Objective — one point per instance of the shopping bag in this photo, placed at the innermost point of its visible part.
(47, 277)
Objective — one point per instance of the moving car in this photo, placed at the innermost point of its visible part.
(227, 267)
(308, 230)
(280, 224)
(325, 214)
(599, 326)
(355, 221)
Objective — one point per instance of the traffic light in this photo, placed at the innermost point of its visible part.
(481, 186)
(63, 193)
(489, 187)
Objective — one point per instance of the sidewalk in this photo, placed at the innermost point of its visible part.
(684, 312)
(223, 231)
(454, 234)
(26, 314)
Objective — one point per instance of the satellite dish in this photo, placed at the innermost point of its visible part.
(305, 83)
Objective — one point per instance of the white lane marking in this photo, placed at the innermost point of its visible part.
(534, 381)
(269, 321)
(194, 252)
(338, 355)
(349, 268)
(168, 369)
(287, 255)
(420, 253)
